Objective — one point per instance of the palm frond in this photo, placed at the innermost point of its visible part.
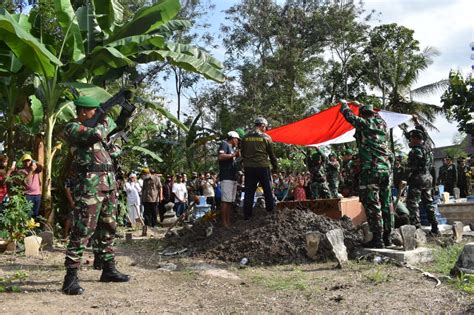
(431, 88)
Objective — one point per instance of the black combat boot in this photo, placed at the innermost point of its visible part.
(434, 229)
(376, 241)
(387, 239)
(71, 284)
(111, 274)
(98, 263)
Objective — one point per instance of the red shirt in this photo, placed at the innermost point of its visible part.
(299, 193)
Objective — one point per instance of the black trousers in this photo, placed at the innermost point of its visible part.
(254, 175)
(150, 213)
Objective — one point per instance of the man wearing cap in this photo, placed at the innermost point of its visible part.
(316, 163)
(226, 156)
(376, 160)
(398, 172)
(420, 180)
(152, 193)
(94, 196)
(332, 171)
(31, 173)
(257, 155)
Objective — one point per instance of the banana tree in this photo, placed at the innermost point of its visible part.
(96, 44)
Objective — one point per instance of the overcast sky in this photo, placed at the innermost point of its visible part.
(447, 25)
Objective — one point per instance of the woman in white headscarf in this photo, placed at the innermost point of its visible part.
(132, 188)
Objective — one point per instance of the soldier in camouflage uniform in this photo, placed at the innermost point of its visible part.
(94, 196)
(332, 171)
(346, 174)
(317, 167)
(376, 160)
(420, 161)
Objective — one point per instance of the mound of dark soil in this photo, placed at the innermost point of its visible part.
(268, 238)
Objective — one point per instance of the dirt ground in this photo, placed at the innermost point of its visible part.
(207, 286)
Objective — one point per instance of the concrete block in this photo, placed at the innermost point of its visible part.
(420, 238)
(313, 238)
(458, 230)
(412, 257)
(408, 235)
(465, 262)
(336, 239)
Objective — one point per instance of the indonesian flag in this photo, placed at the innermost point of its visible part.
(327, 127)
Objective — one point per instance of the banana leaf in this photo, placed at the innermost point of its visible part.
(148, 19)
(145, 151)
(163, 111)
(109, 14)
(68, 22)
(36, 115)
(27, 48)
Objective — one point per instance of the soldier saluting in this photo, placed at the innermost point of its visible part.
(93, 194)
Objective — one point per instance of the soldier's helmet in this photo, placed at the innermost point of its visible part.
(415, 133)
(260, 121)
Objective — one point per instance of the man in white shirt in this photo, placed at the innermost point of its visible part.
(180, 193)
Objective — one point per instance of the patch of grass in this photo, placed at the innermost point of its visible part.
(445, 258)
(8, 283)
(378, 275)
(282, 281)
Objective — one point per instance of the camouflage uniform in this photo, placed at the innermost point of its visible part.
(94, 192)
(332, 170)
(316, 166)
(420, 181)
(375, 158)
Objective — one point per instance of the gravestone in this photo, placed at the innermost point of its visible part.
(397, 238)
(465, 262)
(312, 244)
(408, 235)
(458, 230)
(336, 239)
(47, 240)
(420, 238)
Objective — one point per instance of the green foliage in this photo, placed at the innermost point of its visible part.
(458, 101)
(15, 217)
(9, 283)
(378, 275)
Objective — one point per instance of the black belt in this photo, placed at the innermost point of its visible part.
(96, 168)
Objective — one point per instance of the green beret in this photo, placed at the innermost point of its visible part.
(86, 102)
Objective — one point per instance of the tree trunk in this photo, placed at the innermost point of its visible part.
(47, 170)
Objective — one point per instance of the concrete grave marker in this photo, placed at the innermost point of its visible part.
(47, 240)
(465, 262)
(336, 239)
(408, 235)
(312, 244)
(458, 230)
(397, 238)
(420, 238)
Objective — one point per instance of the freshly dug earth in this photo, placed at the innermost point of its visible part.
(266, 239)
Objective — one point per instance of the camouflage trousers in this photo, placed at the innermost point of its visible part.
(94, 217)
(419, 191)
(333, 185)
(320, 190)
(374, 193)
